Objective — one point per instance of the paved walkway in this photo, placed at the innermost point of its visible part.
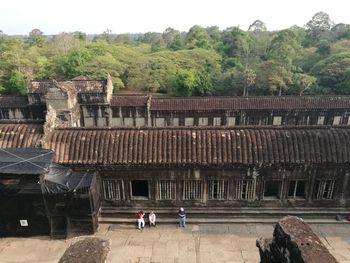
(169, 243)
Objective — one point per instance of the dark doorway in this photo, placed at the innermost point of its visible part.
(139, 189)
(296, 189)
(272, 189)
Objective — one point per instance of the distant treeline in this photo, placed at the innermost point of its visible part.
(314, 59)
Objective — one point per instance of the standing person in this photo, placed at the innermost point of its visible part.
(182, 217)
(152, 219)
(140, 220)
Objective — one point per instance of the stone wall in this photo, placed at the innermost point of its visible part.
(293, 242)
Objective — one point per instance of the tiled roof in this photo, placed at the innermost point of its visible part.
(13, 101)
(20, 135)
(129, 101)
(78, 85)
(250, 103)
(209, 146)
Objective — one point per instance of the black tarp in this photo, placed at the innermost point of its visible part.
(61, 179)
(22, 209)
(32, 161)
(41, 198)
(72, 201)
(23, 212)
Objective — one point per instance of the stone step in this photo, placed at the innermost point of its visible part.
(220, 215)
(231, 212)
(270, 220)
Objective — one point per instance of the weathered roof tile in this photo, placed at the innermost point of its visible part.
(196, 146)
(249, 103)
(20, 135)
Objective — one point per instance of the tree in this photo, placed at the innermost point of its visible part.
(249, 76)
(229, 83)
(172, 39)
(17, 60)
(2, 36)
(184, 83)
(100, 66)
(123, 39)
(64, 42)
(79, 35)
(157, 45)
(333, 73)
(17, 83)
(341, 46)
(303, 82)
(340, 31)
(284, 47)
(214, 34)
(257, 27)
(36, 38)
(150, 37)
(320, 22)
(106, 35)
(66, 66)
(272, 76)
(238, 45)
(197, 37)
(318, 27)
(203, 85)
(323, 48)
(151, 72)
(235, 42)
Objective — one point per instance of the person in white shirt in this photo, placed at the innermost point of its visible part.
(152, 219)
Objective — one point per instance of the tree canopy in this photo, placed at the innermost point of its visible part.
(314, 59)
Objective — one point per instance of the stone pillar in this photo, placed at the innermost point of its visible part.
(342, 196)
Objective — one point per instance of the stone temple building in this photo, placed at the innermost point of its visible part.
(218, 156)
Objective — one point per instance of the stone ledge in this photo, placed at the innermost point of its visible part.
(293, 242)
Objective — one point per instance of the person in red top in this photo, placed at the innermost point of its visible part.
(140, 220)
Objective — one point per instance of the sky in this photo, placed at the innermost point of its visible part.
(140, 16)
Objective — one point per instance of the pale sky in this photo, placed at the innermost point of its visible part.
(140, 16)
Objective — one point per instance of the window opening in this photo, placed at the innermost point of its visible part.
(139, 189)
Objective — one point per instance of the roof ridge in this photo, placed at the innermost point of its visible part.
(237, 127)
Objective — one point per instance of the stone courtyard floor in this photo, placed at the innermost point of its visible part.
(169, 243)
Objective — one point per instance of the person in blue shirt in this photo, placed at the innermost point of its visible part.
(182, 217)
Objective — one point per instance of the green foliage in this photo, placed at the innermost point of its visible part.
(200, 62)
(184, 83)
(36, 38)
(340, 46)
(197, 37)
(323, 48)
(173, 39)
(284, 47)
(333, 73)
(68, 65)
(235, 42)
(273, 78)
(318, 28)
(340, 31)
(17, 83)
(303, 82)
(257, 26)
